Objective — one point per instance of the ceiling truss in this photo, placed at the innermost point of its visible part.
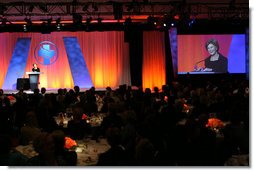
(111, 10)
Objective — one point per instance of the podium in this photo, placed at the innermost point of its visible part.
(33, 79)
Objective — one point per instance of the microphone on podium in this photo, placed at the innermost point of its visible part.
(196, 65)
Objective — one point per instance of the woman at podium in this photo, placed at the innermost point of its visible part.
(216, 62)
(35, 68)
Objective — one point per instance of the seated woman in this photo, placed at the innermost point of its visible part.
(69, 158)
(77, 128)
(8, 155)
(116, 155)
(30, 130)
(45, 147)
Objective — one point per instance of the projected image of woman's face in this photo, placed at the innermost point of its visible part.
(212, 49)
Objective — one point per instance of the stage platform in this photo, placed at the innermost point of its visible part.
(48, 91)
(54, 90)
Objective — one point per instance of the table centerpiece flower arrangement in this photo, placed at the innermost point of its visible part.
(70, 144)
(215, 124)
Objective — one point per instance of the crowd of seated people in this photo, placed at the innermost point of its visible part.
(166, 126)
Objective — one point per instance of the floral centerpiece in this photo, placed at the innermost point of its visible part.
(215, 124)
(186, 108)
(70, 143)
(84, 116)
(12, 99)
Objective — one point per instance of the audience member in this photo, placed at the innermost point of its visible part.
(8, 155)
(68, 158)
(115, 156)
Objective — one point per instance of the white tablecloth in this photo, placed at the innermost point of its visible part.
(87, 151)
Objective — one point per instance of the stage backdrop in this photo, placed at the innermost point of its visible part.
(98, 59)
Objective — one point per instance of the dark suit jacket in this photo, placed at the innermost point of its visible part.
(221, 65)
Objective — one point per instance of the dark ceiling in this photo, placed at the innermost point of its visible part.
(78, 14)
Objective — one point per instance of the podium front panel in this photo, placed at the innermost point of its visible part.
(33, 79)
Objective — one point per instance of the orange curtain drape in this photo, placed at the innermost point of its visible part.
(106, 55)
(154, 67)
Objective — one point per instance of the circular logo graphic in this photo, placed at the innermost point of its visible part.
(46, 53)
